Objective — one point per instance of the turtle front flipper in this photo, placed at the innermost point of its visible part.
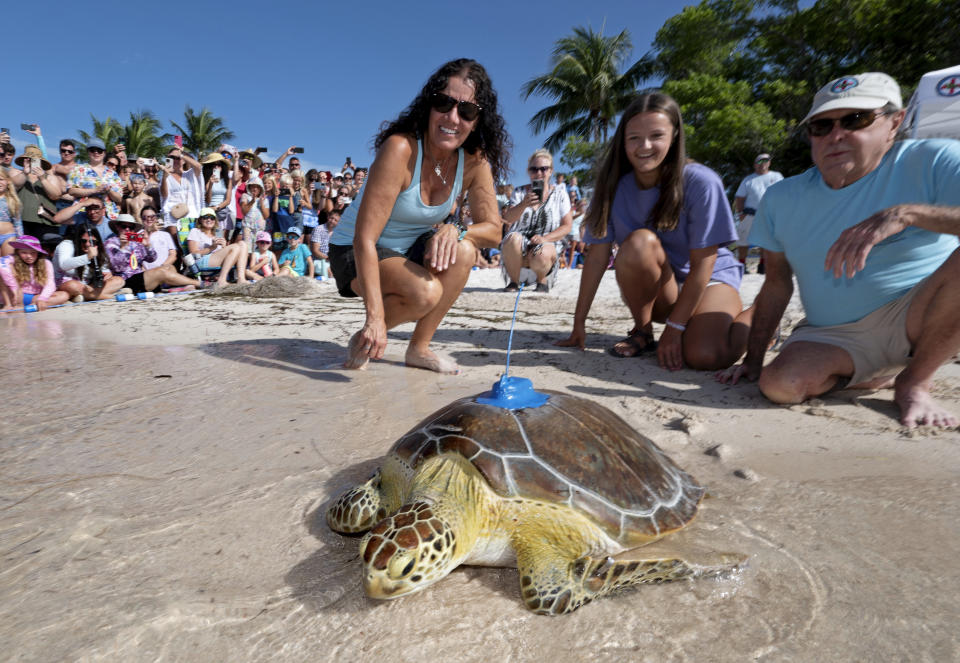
(551, 583)
(358, 509)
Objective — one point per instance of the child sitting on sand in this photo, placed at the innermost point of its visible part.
(295, 259)
(263, 261)
(28, 278)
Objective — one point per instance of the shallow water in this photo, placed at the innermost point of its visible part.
(165, 503)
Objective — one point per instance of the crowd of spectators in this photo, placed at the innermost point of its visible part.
(120, 223)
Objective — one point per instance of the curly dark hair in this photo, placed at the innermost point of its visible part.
(489, 136)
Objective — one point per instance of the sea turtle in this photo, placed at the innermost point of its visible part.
(566, 491)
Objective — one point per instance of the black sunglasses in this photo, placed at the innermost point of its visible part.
(95, 150)
(63, 151)
(442, 103)
(93, 208)
(538, 169)
(850, 122)
(126, 226)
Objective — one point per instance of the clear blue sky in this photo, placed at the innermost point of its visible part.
(320, 75)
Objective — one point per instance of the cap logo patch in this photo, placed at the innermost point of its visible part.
(844, 84)
(949, 86)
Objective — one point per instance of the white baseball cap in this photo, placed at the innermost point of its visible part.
(861, 92)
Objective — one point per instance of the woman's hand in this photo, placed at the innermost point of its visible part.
(670, 349)
(442, 248)
(577, 339)
(373, 339)
(92, 250)
(531, 199)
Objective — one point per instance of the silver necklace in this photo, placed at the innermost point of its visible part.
(439, 170)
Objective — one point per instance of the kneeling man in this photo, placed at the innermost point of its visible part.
(871, 233)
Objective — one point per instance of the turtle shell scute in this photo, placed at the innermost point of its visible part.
(570, 451)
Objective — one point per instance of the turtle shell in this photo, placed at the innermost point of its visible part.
(568, 451)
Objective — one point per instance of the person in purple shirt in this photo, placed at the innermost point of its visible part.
(129, 251)
(670, 218)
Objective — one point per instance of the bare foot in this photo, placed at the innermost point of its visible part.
(432, 361)
(918, 407)
(355, 356)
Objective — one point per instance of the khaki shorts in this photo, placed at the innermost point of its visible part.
(877, 343)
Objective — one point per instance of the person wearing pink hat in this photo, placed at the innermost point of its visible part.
(263, 261)
(28, 278)
(872, 235)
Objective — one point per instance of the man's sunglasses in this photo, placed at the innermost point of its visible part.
(93, 208)
(850, 122)
(63, 151)
(442, 103)
(95, 150)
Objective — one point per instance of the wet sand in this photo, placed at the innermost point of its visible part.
(167, 467)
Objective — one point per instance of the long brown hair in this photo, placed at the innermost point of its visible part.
(614, 165)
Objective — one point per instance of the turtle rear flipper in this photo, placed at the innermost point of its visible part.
(551, 583)
(358, 509)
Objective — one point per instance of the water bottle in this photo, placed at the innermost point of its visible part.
(145, 295)
(191, 264)
(30, 308)
(125, 298)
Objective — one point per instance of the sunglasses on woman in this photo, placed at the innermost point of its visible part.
(442, 103)
(850, 122)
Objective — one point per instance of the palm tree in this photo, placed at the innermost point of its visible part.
(586, 84)
(110, 131)
(204, 132)
(142, 136)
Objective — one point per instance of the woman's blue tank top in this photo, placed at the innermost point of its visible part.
(409, 218)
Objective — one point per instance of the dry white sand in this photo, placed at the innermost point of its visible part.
(166, 465)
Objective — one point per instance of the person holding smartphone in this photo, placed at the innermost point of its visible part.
(95, 179)
(38, 193)
(538, 224)
(451, 138)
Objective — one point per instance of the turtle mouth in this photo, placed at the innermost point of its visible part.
(382, 588)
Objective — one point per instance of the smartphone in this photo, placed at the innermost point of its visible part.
(216, 173)
(28, 127)
(260, 150)
(537, 187)
(34, 164)
(149, 162)
(169, 162)
(4, 130)
(298, 150)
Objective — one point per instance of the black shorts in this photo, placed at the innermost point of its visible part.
(344, 266)
(136, 283)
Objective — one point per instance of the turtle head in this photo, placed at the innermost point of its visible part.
(407, 551)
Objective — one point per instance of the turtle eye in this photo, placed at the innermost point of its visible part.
(401, 564)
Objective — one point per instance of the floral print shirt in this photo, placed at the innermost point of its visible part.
(128, 260)
(85, 177)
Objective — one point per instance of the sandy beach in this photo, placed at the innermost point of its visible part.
(167, 463)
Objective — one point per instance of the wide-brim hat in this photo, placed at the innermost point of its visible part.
(214, 157)
(255, 180)
(32, 152)
(859, 92)
(123, 218)
(251, 156)
(27, 242)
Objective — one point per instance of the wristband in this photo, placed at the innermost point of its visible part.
(675, 325)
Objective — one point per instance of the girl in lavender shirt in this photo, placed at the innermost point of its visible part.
(670, 219)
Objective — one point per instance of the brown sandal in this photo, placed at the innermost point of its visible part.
(641, 341)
